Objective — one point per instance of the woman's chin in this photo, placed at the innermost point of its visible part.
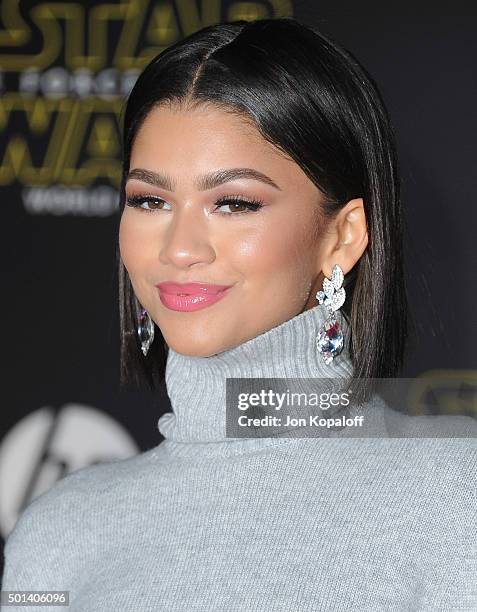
(194, 347)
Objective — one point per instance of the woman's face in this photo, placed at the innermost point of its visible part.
(183, 229)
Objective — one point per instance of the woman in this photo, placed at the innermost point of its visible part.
(260, 237)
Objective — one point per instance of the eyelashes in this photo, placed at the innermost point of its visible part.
(251, 205)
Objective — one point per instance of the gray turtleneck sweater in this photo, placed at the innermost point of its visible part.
(203, 522)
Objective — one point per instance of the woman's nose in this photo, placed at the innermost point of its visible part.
(186, 240)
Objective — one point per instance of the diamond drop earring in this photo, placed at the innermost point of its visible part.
(145, 330)
(330, 340)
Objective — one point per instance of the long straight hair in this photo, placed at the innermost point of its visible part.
(314, 101)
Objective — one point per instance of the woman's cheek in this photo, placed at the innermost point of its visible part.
(130, 241)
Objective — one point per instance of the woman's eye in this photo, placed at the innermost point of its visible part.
(147, 203)
(238, 205)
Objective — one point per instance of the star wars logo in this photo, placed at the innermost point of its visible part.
(66, 69)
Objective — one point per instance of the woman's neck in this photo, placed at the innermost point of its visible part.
(197, 385)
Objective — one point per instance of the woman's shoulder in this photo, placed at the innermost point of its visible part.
(440, 438)
(378, 439)
(69, 505)
(403, 424)
(59, 525)
(95, 478)
(439, 449)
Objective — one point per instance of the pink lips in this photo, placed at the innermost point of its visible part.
(187, 297)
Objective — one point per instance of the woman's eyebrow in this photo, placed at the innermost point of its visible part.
(203, 182)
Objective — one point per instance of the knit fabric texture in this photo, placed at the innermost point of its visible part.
(204, 522)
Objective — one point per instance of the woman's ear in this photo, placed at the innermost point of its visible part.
(348, 238)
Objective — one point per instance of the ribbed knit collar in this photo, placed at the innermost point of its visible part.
(196, 386)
